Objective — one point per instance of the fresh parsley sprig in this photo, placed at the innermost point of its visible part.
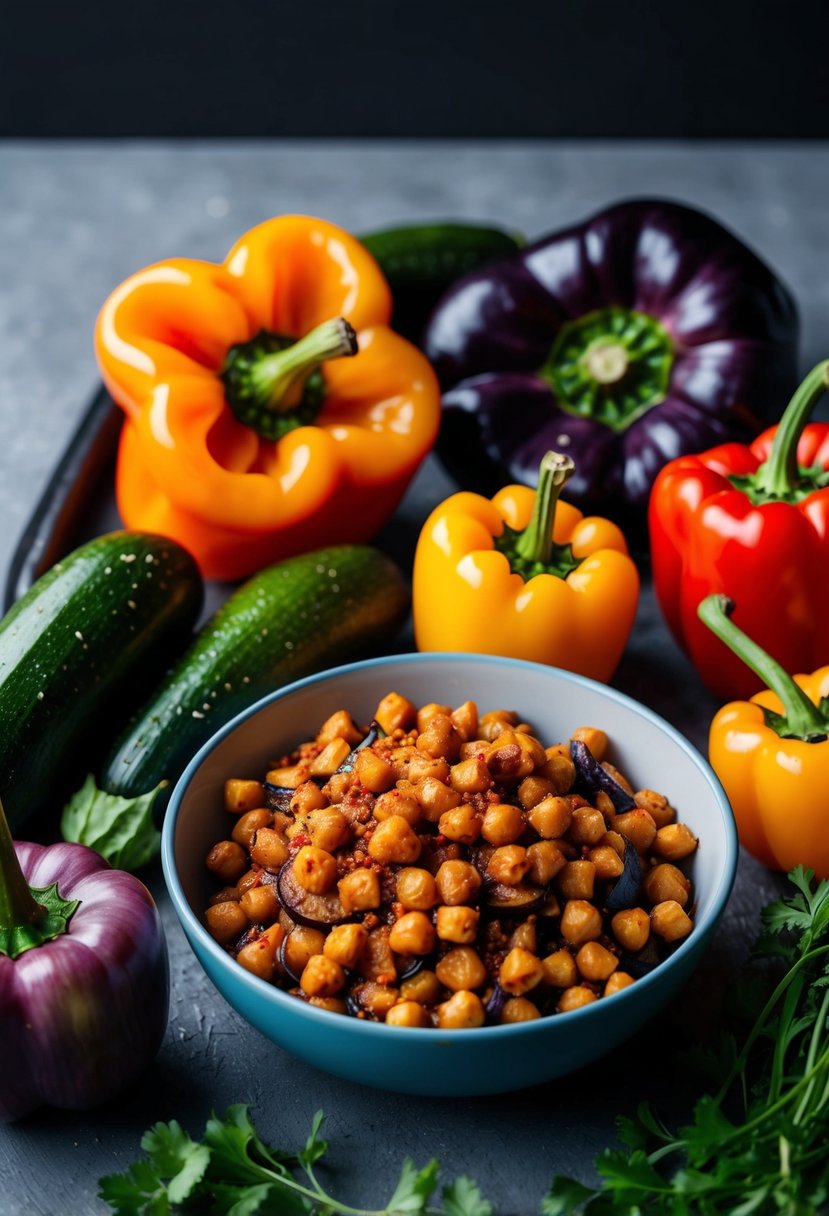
(232, 1172)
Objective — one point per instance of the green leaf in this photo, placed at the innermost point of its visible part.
(710, 1127)
(463, 1197)
(315, 1146)
(264, 1198)
(233, 1141)
(633, 1173)
(120, 829)
(414, 1189)
(177, 1158)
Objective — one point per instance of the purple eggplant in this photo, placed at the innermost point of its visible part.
(495, 1005)
(644, 333)
(84, 985)
(625, 890)
(278, 797)
(501, 900)
(313, 911)
(595, 778)
(375, 732)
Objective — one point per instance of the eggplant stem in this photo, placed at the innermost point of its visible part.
(18, 907)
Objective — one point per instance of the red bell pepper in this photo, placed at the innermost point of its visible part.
(752, 523)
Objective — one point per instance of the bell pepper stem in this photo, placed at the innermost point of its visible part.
(779, 475)
(277, 379)
(18, 907)
(804, 719)
(535, 544)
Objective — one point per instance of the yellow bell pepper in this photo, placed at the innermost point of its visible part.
(772, 754)
(527, 576)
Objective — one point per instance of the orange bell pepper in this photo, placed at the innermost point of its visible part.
(772, 754)
(236, 443)
(525, 575)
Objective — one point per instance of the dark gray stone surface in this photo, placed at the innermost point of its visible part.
(75, 219)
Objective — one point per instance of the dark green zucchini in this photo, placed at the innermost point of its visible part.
(421, 260)
(74, 650)
(288, 621)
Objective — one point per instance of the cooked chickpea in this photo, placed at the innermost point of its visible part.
(463, 824)
(359, 891)
(496, 722)
(301, 944)
(377, 998)
(408, 1013)
(249, 823)
(394, 841)
(435, 798)
(225, 895)
(227, 862)
(250, 878)
(315, 869)
(340, 725)
(463, 1011)
(670, 922)
(424, 987)
(580, 922)
(412, 933)
(560, 771)
(587, 826)
(328, 828)
(440, 739)
(395, 713)
(259, 957)
(618, 777)
(525, 935)
(470, 776)
(416, 889)
(514, 755)
(374, 773)
(333, 1004)
(520, 972)
(560, 969)
(290, 776)
(551, 817)
(461, 968)
(395, 802)
(322, 976)
(260, 904)
(458, 882)
(225, 922)
(595, 962)
(533, 790)
(421, 766)
(458, 924)
(665, 882)
(674, 842)
(519, 1009)
(577, 879)
(337, 786)
(465, 720)
(607, 861)
(268, 849)
(657, 806)
(594, 739)
(240, 796)
(330, 758)
(307, 797)
(508, 864)
(502, 823)
(631, 927)
(344, 944)
(575, 998)
(614, 841)
(617, 981)
(636, 826)
(546, 860)
(428, 712)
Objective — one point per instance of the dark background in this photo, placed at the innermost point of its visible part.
(749, 68)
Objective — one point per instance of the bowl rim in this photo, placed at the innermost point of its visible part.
(262, 990)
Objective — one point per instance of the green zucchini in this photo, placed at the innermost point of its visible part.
(288, 621)
(421, 260)
(74, 650)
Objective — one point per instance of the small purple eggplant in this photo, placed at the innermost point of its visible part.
(84, 982)
(596, 778)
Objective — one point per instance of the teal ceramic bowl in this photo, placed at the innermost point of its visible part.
(462, 1062)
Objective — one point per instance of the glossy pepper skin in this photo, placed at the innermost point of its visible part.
(644, 333)
(469, 596)
(351, 431)
(775, 770)
(84, 1003)
(750, 522)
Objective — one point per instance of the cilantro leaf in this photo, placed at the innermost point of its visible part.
(120, 829)
(176, 1157)
(463, 1197)
(233, 1141)
(315, 1146)
(414, 1189)
(263, 1199)
(565, 1197)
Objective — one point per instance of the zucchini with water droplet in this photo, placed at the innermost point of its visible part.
(295, 618)
(74, 651)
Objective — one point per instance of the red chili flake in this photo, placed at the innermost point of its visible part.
(301, 839)
(481, 756)
(385, 978)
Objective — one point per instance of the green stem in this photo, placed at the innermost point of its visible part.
(18, 907)
(779, 475)
(814, 1044)
(803, 719)
(535, 544)
(277, 379)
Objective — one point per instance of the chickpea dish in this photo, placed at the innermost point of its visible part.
(446, 869)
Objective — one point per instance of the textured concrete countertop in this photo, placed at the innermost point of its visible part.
(75, 218)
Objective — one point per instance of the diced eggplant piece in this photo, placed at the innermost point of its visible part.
(625, 890)
(315, 911)
(501, 900)
(642, 963)
(282, 955)
(375, 732)
(377, 957)
(278, 797)
(495, 1005)
(595, 778)
(409, 965)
